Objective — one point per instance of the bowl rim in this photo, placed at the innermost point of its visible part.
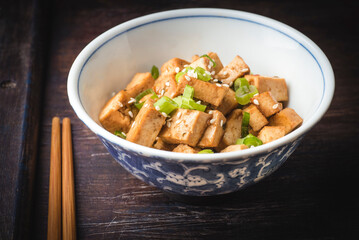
(102, 39)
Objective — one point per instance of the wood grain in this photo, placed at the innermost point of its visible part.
(68, 186)
(54, 213)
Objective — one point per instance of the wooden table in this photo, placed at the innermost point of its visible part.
(312, 196)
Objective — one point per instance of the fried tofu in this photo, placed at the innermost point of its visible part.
(233, 128)
(183, 148)
(202, 62)
(166, 85)
(147, 125)
(214, 132)
(229, 102)
(187, 127)
(218, 62)
(204, 91)
(277, 86)
(271, 133)
(287, 118)
(257, 120)
(233, 148)
(171, 65)
(139, 83)
(267, 104)
(162, 145)
(118, 114)
(235, 69)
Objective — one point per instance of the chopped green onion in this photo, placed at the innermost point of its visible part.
(202, 75)
(189, 103)
(144, 93)
(188, 91)
(205, 151)
(249, 140)
(120, 134)
(205, 55)
(245, 123)
(244, 94)
(154, 72)
(178, 75)
(166, 105)
(239, 82)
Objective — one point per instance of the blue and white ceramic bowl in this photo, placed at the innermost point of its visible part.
(269, 47)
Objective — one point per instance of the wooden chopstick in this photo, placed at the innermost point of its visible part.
(54, 212)
(68, 188)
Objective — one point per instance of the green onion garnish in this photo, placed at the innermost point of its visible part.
(244, 94)
(249, 140)
(120, 134)
(189, 103)
(214, 63)
(154, 72)
(188, 92)
(165, 104)
(205, 151)
(141, 95)
(245, 123)
(178, 75)
(202, 75)
(240, 82)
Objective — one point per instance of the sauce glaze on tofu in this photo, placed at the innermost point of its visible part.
(201, 106)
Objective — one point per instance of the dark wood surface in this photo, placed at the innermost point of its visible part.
(314, 195)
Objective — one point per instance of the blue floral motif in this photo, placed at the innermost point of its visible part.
(204, 178)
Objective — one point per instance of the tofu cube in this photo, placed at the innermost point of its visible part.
(171, 65)
(267, 104)
(166, 85)
(147, 125)
(229, 102)
(214, 132)
(118, 114)
(187, 127)
(139, 83)
(162, 145)
(202, 62)
(277, 86)
(205, 91)
(257, 120)
(233, 128)
(271, 133)
(287, 118)
(233, 148)
(235, 69)
(218, 62)
(183, 148)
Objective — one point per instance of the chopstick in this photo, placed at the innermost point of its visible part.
(54, 212)
(61, 215)
(68, 188)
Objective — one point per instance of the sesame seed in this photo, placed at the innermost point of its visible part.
(133, 124)
(186, 65)
(210, 112)
(132, 100)
(179, 114)
(178, 121)
(219, 85)
(164, 114)
(130, 113)
(146, 105)
(157, 138)
(215, 80)
(168, 124)
(209, 66)
(244, 70)
(208, 73)
(177, 69)
(124, 134)
(120, 104)
(167, 84)
(195, 75)
(162, 91)
(225, 85)
(113, 94)
(188, 78)
(199, 102)
(255, 101)
(275, 106)
(212, 121)
(213, 72)
(169, 120)
(221, 123)
(211, 63)
(157, 108)
(256, 94)
(224, 72)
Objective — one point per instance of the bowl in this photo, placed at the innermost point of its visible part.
(269, 47)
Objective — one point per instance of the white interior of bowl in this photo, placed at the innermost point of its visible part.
(270, 48)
